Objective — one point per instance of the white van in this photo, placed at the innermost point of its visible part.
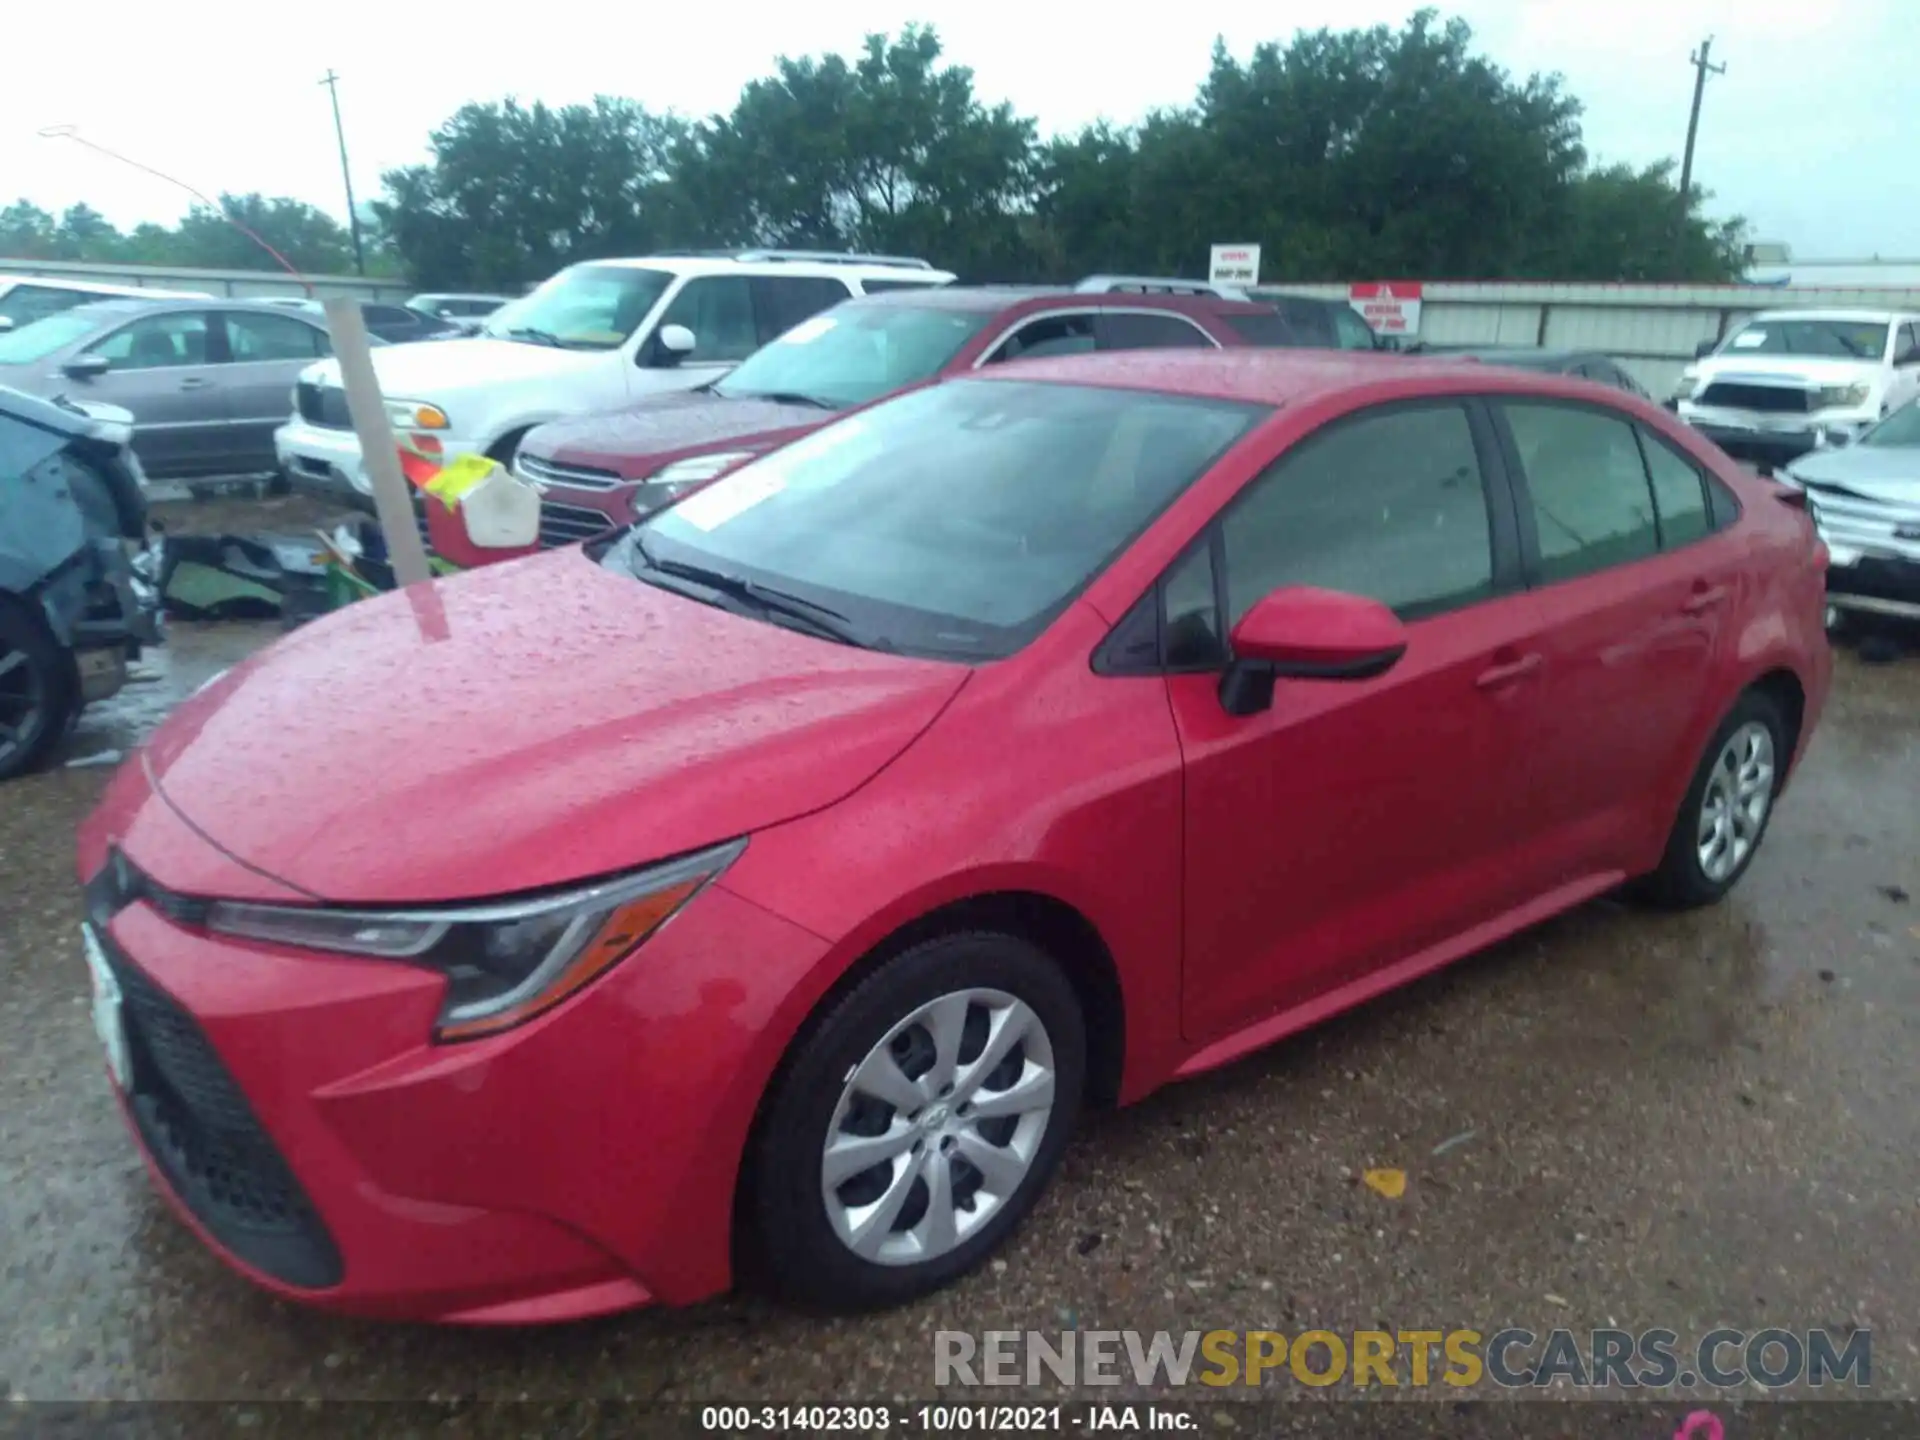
(597, 336)
(27, 298)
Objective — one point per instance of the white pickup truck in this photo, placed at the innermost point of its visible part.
(1783, 381)
(598, 336)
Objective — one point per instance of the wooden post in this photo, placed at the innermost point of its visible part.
(378, 449)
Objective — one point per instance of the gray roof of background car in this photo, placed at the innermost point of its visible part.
(122, 309)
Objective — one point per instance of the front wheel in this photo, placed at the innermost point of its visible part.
(1727, 809)
(37, 694)
(918, 1122)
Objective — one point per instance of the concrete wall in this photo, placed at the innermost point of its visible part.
(1652, 330)
(240, 284)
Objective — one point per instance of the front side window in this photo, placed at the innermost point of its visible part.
(255, 338)
(586, 307)
(157, 342)
(956, 520)
(1831, 339)
(718, 309)
(1390, 505)
(1592, 505)
(855, 353)
(1902, 428)
(1049, 335)
(1351, 332)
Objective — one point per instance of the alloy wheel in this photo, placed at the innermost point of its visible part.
(22, 698)
(1733, 808)
(937, 1128)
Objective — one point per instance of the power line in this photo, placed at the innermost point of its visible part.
(353, 216)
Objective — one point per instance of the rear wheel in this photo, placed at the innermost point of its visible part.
(36, 690)
(1727, 809)
(918, 1122)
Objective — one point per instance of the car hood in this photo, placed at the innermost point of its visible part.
(525, 725)
(1808, 370)
(634, 442)
(426, 372)
(1889, 473)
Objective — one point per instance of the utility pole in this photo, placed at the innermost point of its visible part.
(353, 215)
(1702, 66)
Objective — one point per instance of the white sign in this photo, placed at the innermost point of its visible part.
(1234, 265)
(1391, 307)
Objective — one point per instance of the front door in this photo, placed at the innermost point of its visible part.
(1355, 823)
(165, 369)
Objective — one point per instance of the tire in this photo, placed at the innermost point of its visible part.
(37, 690)
(1739, 778)
(892, 1207)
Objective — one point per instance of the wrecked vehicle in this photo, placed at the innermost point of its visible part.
(73, 608)
(1865, 498)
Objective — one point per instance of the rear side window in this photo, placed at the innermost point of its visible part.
(1592, 505)
(1679, 495)
(781, 302)
(253, 338)
(1311, 321)
(1390, 505)
(1149, 332)
(389, 315)
(1263, 328)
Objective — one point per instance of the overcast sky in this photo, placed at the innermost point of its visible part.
(1813, 133)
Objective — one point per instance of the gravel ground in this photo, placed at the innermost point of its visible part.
(1619, 1118)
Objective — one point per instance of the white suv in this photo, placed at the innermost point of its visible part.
(597, 336)
(1783, 381)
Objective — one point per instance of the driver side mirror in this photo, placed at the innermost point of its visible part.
(1704, 349)
(1301, 633)
(86, 367)
(6, 323)
(671, 345)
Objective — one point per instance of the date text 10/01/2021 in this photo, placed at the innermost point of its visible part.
(944, 1419)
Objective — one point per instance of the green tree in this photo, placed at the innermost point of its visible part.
(311, 240)
(26, 232)
(1627, 224)
(85, 234)
(513, 193)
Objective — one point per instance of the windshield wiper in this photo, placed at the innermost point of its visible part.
(823, 620)
(779, 397)
(538, 337)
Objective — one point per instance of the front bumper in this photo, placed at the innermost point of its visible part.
(1873, 549)
(1768, 440)
(326, 463)
(581, 1164)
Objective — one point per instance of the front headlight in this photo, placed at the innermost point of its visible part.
(670, 482)
(505, 963)
(416, 415)
(1841, 397)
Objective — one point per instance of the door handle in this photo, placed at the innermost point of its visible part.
(1507, 671)
(1704, 597)
(194, 382)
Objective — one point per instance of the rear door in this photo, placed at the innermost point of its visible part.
(1633, 587)
(165, 369)
(266, 354)
(1356, 823)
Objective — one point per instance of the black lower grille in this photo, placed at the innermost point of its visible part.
(1766, 399)
(323, 405)
(570, 524)
(208, 1143)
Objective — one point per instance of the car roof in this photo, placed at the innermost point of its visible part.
(1882, 317)
(1524, 356)
(94, 287)
(993, 299)
(1278, 376)
(106, 311)
(736, 265)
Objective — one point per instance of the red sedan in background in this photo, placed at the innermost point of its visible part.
(781, 878)
(600, 471)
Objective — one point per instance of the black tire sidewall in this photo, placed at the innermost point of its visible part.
(24, 631)
(1680, 878)
(802, 1255)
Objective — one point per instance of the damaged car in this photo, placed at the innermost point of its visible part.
(74, 609)
(1865, 499)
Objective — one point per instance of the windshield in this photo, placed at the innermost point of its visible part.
(587, 307)
(1902, 428)
(956, 520)
(1828, 339)
(41, 338)
(855, 353)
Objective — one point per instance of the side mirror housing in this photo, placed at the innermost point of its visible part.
(1704, 349)
(1301, 633)
(86, 367)
(6, 323)
(671, 345)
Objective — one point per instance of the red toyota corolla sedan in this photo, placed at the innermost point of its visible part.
(776, 882)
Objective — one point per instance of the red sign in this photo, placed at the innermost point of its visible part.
(1391, 307)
